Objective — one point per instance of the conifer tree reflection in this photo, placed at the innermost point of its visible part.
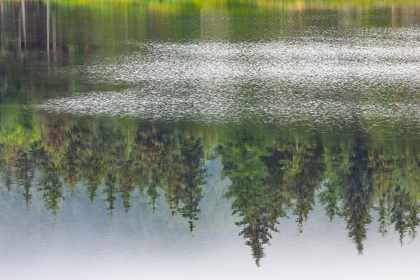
(349, 178)
(127, 185)
(148, 147)
(357, 200)
(404, 213)
(110, 192)
(192, 177)
(25, 169)
(271, 175)
(51, 186)
(266, 175)
(173, 161)
(330, 197)
(298, 165)
(384, 215)
(7, 177)
(241, 157)
(73, 151)
(337, 162)
(396, 186)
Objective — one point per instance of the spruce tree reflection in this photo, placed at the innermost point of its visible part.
(72, 165)
(148, 142)
(51, 186)
(271, 175)
(404, 213)
(330, 197)
(384, 215)
(357, 200)
(192, 177)
(349, 179)
(173, 161)
(110, 192)
(298, 164)
(7, 177)
(396, 185)
(258, 201)
(127, 185)
(25, 169)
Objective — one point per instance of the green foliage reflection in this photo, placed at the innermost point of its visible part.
(273, 175)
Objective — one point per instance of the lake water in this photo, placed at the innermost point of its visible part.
(209, 139)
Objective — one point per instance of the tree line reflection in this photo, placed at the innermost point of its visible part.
(272, 175)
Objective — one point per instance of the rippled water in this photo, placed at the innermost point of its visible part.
(314, 79)
(209, 140)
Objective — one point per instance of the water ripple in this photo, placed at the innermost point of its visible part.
(373, 76)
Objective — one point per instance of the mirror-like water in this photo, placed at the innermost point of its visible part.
(209, 140)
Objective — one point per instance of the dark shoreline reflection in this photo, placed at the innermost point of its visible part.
(273, 175)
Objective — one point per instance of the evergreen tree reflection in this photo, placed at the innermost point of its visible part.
(272, 176)
(51, 187)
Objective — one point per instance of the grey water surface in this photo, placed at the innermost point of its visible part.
(209, 140)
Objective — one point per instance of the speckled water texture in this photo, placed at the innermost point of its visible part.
(330, 77)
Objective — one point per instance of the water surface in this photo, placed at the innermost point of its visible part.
(203, 140)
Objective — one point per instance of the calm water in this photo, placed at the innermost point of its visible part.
(209, 140)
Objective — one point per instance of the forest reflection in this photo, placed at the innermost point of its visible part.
(272, 174)
(357, 175)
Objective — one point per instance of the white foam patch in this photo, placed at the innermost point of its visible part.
(374, 75)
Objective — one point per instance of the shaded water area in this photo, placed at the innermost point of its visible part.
(209, 139)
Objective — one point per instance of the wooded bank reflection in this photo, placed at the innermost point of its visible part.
(45, 25)
(272, 175)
